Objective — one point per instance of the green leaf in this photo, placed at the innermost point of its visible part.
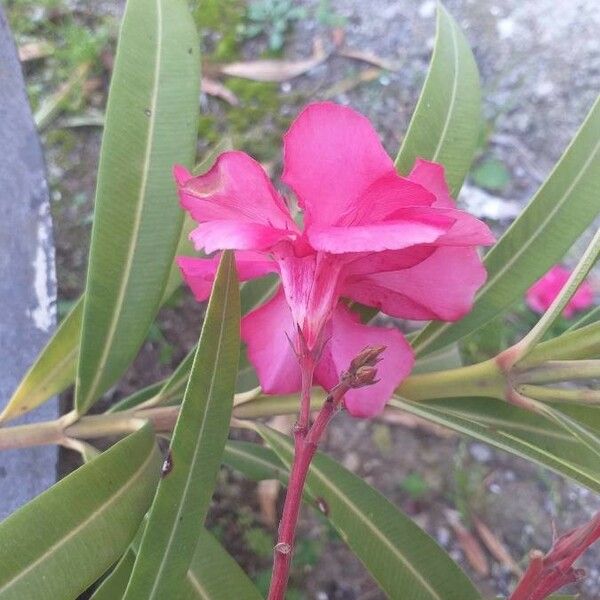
(397, 552)
(515, 430)
(150, 125)
(587, 261)
(137, 397)
(113, 586)
(591, 317)
(446, 123)
(253, 293)
(65, 539)
(446, 358)
(574, 344)
(52, 372)
(213, 575)
(254, 462)
(54, 368)
(190, 471)
(564, 206)
(491, 174)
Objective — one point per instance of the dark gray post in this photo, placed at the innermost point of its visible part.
(27, 275)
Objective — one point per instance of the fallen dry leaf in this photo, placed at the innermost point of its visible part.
(398, 417)
(268, 490)
(51, 107)
(273, 70)
(212, 87)
(338, 36)
(35, 51)
(472, 549)
(349, 83)
(495, 546)
(369, 57)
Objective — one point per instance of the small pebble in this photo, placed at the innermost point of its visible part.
(480, 452)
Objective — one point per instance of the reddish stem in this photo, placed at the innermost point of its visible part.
(306, 441)
(306, 444)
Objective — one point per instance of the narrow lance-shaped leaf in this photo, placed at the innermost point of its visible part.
(397, 552)
(587, 261)
(447, 119)
(564, 206)
(592, 316)
(54, 369)
(150, 125)
(253, 293)
(515, 430)
(213, 575)
(190, 469)
(114, 584)
(62, 541)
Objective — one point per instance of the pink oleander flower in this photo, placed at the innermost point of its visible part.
(548, 574)
(542, 293)
(368, 235)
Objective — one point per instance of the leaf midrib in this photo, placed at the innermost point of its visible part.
(199, 438)
(452, 96)
(112, 329)
(106, 505)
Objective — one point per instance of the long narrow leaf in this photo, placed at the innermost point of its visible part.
(150, 124)
(213, 575)
(587, 261)
(446, 123)
(54, 369)
(114, 585)
(398, 553)
(514, 430)
(190, 470)
(564, 206)
(65, 539)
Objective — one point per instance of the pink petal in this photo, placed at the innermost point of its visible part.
(347, 338)
(411, 226)
(311, 284)
(199, 273)
(384, 197)
(440, 287)
(235, 235)
(267, 331)
(388, 260)
(466, 231)
(432, 177)
(583, 298)
(542, 293)
(332, 155)
(236, 190)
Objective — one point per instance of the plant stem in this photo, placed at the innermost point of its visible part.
(482, 379)
(306, 444)
(93, 426)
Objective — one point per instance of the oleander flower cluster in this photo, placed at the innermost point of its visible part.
(364, 234)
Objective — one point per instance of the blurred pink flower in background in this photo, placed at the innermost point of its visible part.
(543, 292)
(394, 243)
